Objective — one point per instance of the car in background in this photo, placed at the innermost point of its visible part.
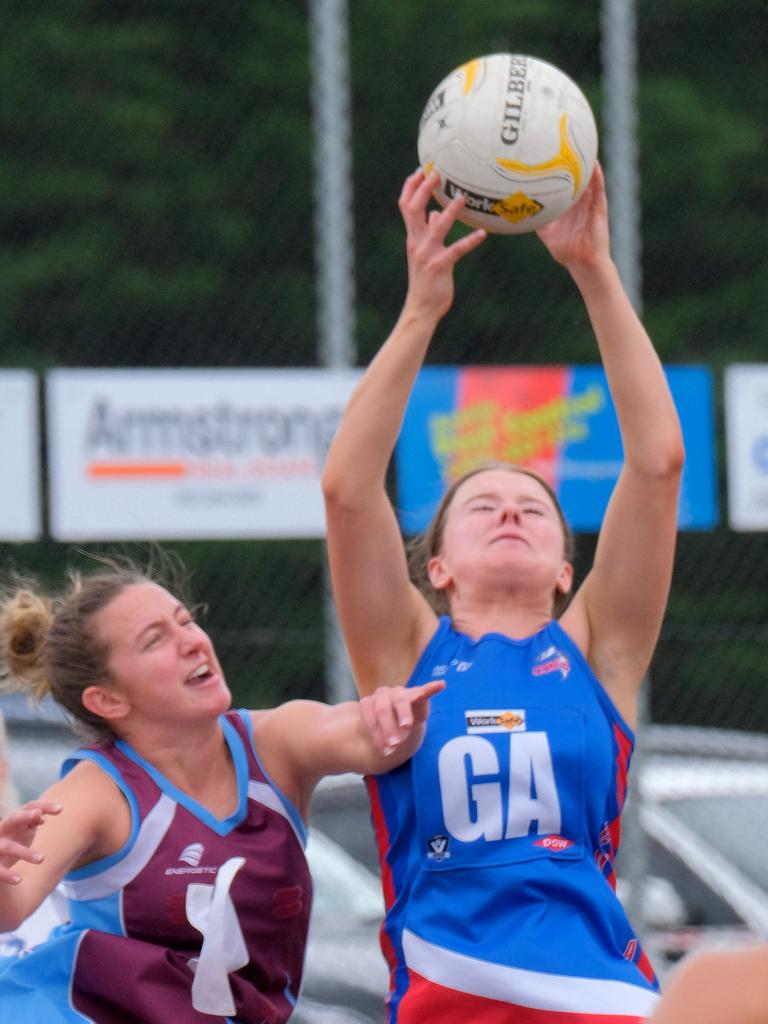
(703, 811)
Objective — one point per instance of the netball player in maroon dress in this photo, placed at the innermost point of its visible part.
(178, 839)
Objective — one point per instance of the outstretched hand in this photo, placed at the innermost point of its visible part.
(430, 260)
(394, 716)
(580, 235)
(17, 833)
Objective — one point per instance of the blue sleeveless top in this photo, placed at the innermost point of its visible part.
(498, 838)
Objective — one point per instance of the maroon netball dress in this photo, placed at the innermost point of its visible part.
(195, 919)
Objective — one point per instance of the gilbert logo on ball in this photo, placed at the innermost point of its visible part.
(515, 134)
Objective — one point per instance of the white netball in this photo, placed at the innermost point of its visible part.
(515, 134)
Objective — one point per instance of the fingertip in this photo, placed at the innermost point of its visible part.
(436, 685)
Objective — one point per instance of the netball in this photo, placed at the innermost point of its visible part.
(513, 133)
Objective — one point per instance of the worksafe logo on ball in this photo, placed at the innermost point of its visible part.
(515, 207)
(558, 421)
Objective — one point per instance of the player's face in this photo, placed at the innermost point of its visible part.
(503, 524)
(160, 660)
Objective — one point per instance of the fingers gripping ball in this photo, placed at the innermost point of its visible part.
(515, 134)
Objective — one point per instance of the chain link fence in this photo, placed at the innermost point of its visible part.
(157, 211)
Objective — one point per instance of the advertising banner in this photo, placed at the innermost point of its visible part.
(556, 420)
(19, 456)
(746, 435)
(192, 453)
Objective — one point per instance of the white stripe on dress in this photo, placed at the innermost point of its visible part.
(116, 877)
(558, 992)
(264, 794)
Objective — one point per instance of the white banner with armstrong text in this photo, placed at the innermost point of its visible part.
(153, 454)
(19, 456)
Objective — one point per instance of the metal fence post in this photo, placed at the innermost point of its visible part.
(618, 27)
(334, 246)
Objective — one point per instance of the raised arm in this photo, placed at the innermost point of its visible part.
(617, 613)
(385, 620)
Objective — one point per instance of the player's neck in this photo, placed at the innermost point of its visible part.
(198, 762)
(510, 618)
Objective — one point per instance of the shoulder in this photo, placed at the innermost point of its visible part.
(284, 738)
(87, 779)
(728, 984)
(91, 793)
(95, 818)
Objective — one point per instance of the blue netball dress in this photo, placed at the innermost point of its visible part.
(196, 919)
(498, 839)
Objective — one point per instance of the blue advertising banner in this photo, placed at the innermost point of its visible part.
(556, 420)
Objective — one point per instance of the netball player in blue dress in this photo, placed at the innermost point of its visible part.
(498, 837)
(178, 840)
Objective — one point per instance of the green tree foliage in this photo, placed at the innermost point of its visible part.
(153, 156)
(156, 194)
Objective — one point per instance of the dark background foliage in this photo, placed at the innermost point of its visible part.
(156, 210)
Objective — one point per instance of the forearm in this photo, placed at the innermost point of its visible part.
(17, 902)
(363, 445)
(648, 420)
(371, 760)
(343, 743)
(372, 735)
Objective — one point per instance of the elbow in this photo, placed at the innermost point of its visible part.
(663, 461)
(672, 459)
(677, 456)
(332, 486)
(343, 492)
(337, 496)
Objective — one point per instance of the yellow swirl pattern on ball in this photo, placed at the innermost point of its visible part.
(470, 73)
(566, 160)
